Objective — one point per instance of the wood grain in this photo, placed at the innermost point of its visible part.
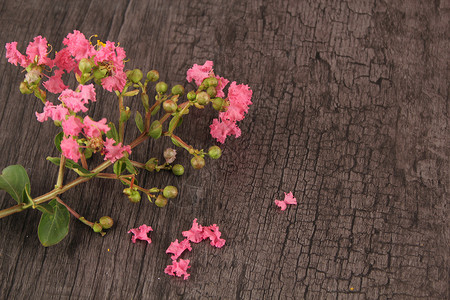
(350, 113)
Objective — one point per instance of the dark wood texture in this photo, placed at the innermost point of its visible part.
(350, 113)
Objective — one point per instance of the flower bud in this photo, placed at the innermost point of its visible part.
(214, 152)
(155, 129)
(218, 104)
(178, 170)
(100, 73)
(210, 81)
(211, 91)
(191, 96)
(161, 201)
(97, 227)
(106, 222)
(178, 90)
(85, 65)
(170, 155)
(161, 87)
(153, 75)
(135, 75)
(203, 98)
(127, 191)
(24, 88)
(170, 191)
(169, 106)
(151, 164)
(135, 196)
(197, 162)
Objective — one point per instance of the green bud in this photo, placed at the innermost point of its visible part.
(178, 90)
(161, 87)
(191, 96)
(24, 88)
(153, 75)
(218, 104)
(127, 191)
(210, 82)
(100, 73)
(106, 222)
(155, 130)
(135, 197)
(87, 153)
(178, 170)
(214, 152)
(211, 91)
(203, 98)
(170, 191)
(161, 201)
(97, 227)
(135, 75)
(197, 162)
(85, 65)
(169, 106)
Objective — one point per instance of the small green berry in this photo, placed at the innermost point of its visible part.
(161, 87)
(170, 191)
(135, 197)
(214, 152)
(97, 227)
(211, 91)
(178, 90)
(127, 191)
(153, 75)
(169, 106)
(178, 170)
(197, 162)
(106, 222)
(135, 76)
(191, 96)
(161, 201)
(203, 98)
(218, 104)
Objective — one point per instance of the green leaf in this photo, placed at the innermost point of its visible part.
(175, 122)
(45, 208)
(58, 139)
(155, 110)
(129, 166)
(131, 93)
(53, 227)
(14, 180)
(70, 164)
(139, 121)
(155, 130)
(119, 167)
(112, 133)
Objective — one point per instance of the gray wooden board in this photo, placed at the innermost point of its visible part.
(350, 113)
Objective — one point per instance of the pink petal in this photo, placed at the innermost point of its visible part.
(178, 268)
(72, 126)
(55, 84)
(14, 56)
(114, 152)
(38, 47)
(178, 248)
(195, 234)
(212, 232)
(78, 46)
(221, 129)
(289, 199)
(198, 73)
(94, 129)
(281, 204)
(70, 148)
(141, 233)
(219, 88)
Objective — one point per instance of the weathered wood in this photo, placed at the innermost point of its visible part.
(350, 113)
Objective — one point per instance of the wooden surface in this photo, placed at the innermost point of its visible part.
(350, 113)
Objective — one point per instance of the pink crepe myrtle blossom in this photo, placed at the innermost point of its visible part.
(199, 72)
(195, 234)
(78, 46)
(114, 152)
(55, 84)
(73, 100)
(177, 248)
(64, 61)
(141, 233)
(115, 82)
(178, 268)
(221, 129)
(239, 96)
(288, 199)
(72, 126)
(14, 56)
(212, 232)
(37, 49)
(222, 82)
(70, 148)
(87, 92)
(54, 112)
(94, 129)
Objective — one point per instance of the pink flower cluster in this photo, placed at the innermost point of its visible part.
(288, 199)
(108, 56)
(196, 234)
(239, 99)
(141, 233)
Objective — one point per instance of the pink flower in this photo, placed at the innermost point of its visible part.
(38, 48)
(78, 46)
(73, 100)
(195, 234)
(220, 86)
(199, 73)
(141, 233)
(14, 56)
(55, 84)
(239, 97)
(70, 148)
(178, 268)
(64, 61)
(221, 129)
(57, 113)
(72, 126)
(115, 82)
(87, 92)
(212, 232)
(113, 152)
(288, 199)
(178, 248)
(112, 54)
(94, 129)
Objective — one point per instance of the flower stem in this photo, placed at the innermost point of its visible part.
(62, 163)
(75, 214)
